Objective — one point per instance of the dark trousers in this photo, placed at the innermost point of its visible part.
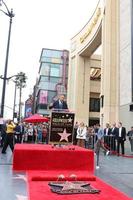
(8, 141)
(107, 141)
(74, 136)
(120, 141)
(113, 143)
(3, 136)
(18, 138)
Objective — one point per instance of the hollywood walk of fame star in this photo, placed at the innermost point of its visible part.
(21, 197)
(76, 187)
(71, 186)
(21, 177)
(64, 135)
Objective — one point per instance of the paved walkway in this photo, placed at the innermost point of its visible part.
(117, 171)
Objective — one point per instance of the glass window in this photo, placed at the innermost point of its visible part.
(51, 60)
(44, 79)
(45, 69)
(42, 106)
(47, 85)
(51, 79)
(102, 101)
(55, 72)
(46, 59)
(51, 95)
(51, 53)
(55, 79)
(94, 105)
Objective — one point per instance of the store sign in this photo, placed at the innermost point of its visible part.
(92, 25)
(61, 129)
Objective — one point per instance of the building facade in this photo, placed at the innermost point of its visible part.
(111, 28)
(53, 78)
(126, 62)
(83, 89)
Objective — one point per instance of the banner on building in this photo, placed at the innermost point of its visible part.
(28, 107)
(61, 129)
(43, 97)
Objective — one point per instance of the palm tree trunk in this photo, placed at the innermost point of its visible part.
(20, 105)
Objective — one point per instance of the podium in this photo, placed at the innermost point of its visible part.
(61, 127)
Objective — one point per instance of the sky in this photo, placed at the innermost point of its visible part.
(36, 25)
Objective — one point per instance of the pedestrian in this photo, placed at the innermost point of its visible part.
(81, 134)
(130, 136)
(75, 133)
(9, 136)
(121, 138)
(107, 133)
(100, 144)
(113, 137)
(100, 141)
(44, 133)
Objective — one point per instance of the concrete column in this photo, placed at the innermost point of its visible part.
(79, 87)
(83, 90)
(110, 62)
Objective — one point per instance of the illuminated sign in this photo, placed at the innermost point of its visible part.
(92, 24)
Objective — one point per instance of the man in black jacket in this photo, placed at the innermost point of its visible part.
(60, 104)
(107, 133)
(121, 138)
(113, 136)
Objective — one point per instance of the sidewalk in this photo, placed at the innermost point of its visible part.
(117, 171)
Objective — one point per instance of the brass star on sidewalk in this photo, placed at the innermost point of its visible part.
(72, 186)
(64, 135)
(76, 187)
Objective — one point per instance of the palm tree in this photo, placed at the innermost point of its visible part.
(20, 83)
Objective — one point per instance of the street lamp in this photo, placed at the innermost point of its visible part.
(10, 14)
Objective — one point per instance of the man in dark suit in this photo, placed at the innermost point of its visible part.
(107, 132)
(121, 138)
(60, 104)
(113, 136)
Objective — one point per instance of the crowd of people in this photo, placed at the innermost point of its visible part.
(12, 133)
(110, 138)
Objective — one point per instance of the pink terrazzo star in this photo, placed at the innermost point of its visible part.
(64, 135)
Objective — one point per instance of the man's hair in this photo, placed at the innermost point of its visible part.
(61, 95)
